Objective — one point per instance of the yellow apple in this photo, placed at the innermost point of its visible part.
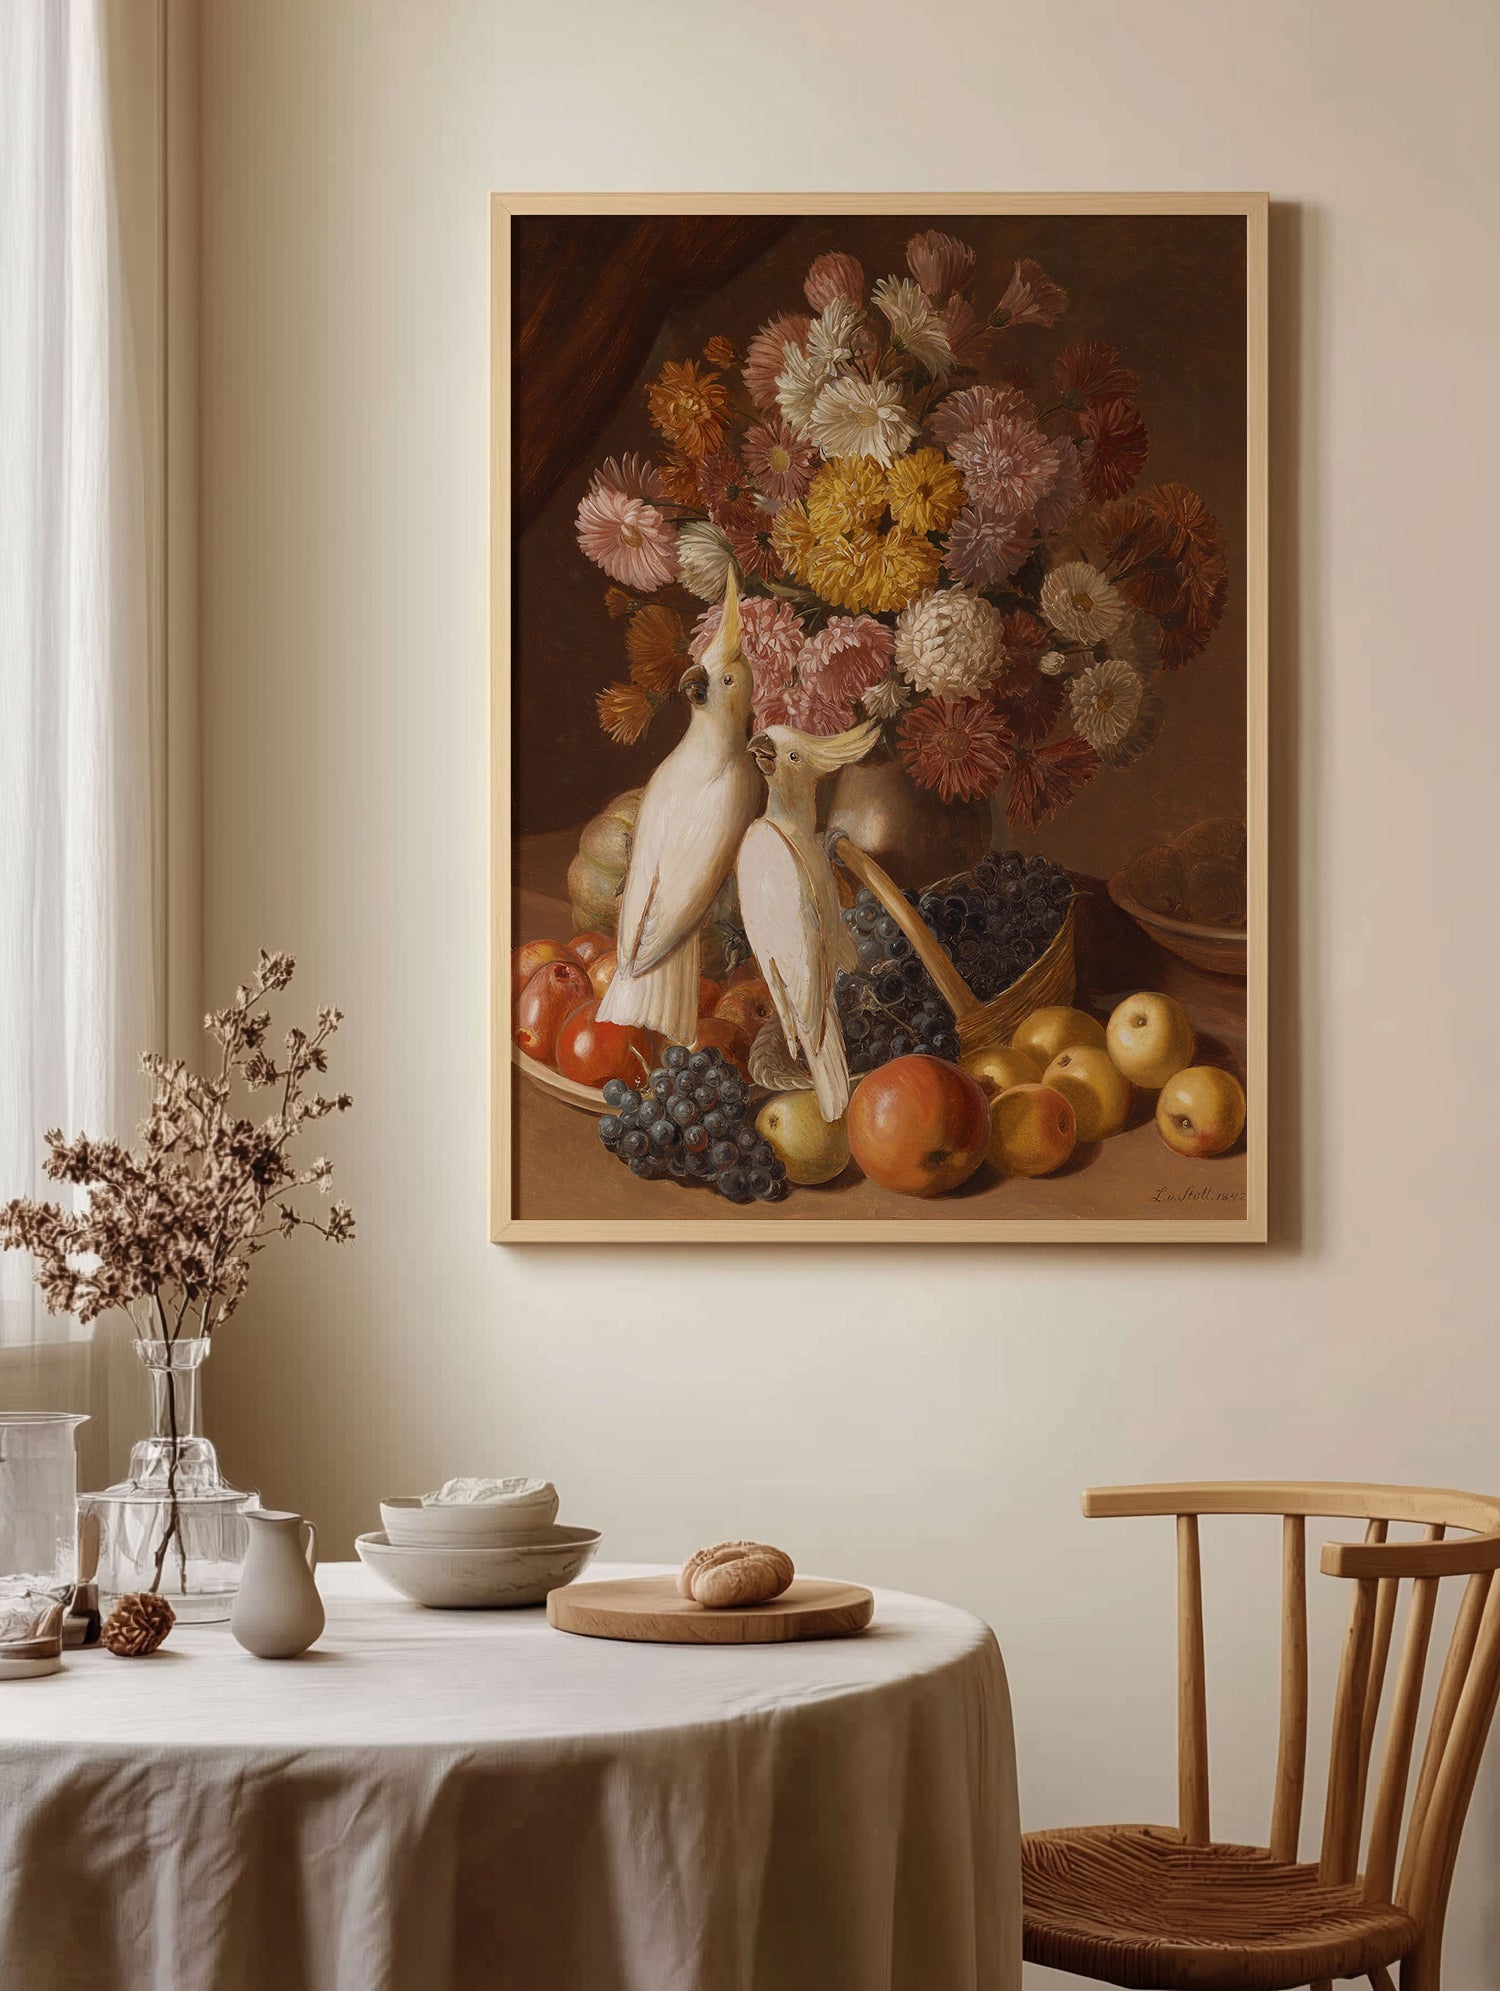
(814, 1149)
(1201, 1111)
(1150, 1037)
(1032, 1130)
(1100, 1094)
(997, 1069)
(1047, 1031)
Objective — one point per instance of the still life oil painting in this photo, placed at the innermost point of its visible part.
(879, 742)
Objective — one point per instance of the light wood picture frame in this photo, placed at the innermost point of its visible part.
(1120, 340)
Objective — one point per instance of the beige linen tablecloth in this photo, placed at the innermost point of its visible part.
(434, 1799)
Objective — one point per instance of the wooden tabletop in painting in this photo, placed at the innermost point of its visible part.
(563, 1172)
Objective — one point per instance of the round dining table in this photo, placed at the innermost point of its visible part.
(435, 1799)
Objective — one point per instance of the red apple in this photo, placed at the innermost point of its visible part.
(592, 1052)
(590, 945)
(708, 996)
(747, 1006)
(919, 1126)
(552, 994)
(719, 1034)
(602, 971)
(533, 955)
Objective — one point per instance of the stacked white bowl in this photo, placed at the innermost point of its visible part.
(477, 1544)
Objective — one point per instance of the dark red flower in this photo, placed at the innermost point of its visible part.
(1091, 371)
(1113, 447)
(1030, 704)
(1164, 551)
(1043, 779)
(753, 546)
(727, 490)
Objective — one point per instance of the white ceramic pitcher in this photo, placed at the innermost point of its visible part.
(277, 1611)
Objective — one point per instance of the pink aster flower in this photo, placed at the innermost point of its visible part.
(813, 708)
(765, 356)
(1008, 464)
(771, 636)
(628, 538)
(630, 476)
(1058, 506)
(835, 275)
(986, 546)
(940, 263)
(781, 463)
(1031, 297)
(957, 414)
(968, 335)
(847, 657)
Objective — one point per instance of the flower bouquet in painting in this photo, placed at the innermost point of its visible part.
(926, 536)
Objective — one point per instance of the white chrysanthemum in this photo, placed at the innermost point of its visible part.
(1081, 603)
(1054, 664)
(1105, 699)
(798, 386)
(916, 327)
(703, 556)
(948, 640)
(886, 699)
(830, 343)
(854, 417)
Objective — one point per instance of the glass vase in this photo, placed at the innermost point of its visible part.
(175, 1525)
(38, 1537)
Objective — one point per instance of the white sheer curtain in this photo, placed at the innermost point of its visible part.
(79, 938)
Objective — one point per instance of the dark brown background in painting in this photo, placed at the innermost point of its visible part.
(1167, 291)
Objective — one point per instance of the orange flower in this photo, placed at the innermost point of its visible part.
(656, 644)
(624, 713)
(721, 351)
(617, 603)
(689, 405)
(679, 480)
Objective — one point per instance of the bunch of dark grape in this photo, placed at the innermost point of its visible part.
(992, 923)
(687, 1121)
(999, 918)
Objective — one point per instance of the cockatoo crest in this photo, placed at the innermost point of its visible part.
(721, 682)
(783, 751)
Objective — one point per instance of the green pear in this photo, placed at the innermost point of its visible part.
(812, 1148)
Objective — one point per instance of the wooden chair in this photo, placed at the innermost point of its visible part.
(1174, 1910)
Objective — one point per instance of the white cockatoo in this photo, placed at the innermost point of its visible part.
(790, 904)
(696, 807)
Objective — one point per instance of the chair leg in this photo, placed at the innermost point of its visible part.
(1380, 1979)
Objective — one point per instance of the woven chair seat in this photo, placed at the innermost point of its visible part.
(1136, 1905)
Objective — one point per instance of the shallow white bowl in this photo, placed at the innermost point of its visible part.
(466, 1523)
(460, 1579)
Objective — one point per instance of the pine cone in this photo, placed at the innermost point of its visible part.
(137, 1625)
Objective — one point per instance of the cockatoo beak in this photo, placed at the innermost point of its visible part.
(693, 684)
(762, 750)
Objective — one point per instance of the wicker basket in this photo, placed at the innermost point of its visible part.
(1051, 978)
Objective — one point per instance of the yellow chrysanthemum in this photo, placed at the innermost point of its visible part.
(793, 538)
(899, 566)
(846, 495)
(837, 567)
(624, 713)
(689, 405)
(924, 491)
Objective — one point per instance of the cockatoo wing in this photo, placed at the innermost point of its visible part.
(779, 905)
(685, 840)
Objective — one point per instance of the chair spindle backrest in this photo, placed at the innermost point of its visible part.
(1467, 1692)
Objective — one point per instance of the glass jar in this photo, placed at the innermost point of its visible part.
(174, 1525)
(38, 1537)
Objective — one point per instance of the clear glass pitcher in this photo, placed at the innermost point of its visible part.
(38, 1536)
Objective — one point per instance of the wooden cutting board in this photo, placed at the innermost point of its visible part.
(648, 1609)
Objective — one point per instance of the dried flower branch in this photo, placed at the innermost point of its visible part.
(166, 1230)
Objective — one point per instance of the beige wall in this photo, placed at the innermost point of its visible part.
(919, 1419)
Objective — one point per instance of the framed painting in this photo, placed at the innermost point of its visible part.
(879, 718)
